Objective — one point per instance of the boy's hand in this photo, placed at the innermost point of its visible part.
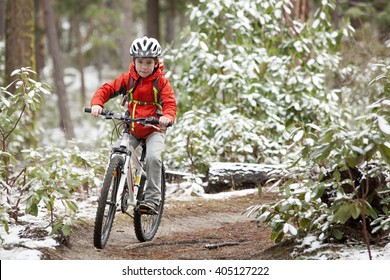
(164, 121)
(96, 110)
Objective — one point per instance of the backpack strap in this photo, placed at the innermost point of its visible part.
(129, 96)
(157, 98)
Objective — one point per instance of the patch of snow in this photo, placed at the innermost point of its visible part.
(19, 253)
(311, 244)
(15, 247)
(354, 253)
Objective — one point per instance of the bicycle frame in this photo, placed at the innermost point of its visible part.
(131, 161)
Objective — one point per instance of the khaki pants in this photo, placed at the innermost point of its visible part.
(153, 163)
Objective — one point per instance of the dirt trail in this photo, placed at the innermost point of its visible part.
(187, 229)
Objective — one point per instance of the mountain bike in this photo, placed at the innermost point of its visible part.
(124, 184)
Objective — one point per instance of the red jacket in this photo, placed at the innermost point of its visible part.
(143, 92)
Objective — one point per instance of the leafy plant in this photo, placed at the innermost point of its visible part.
(339, 178)
(56, 175)
(191, 148)
(34, 177)
(14, 107)
(254, 61)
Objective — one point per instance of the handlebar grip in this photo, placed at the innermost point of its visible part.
(152, 120)
(104, 112)
(156, 121)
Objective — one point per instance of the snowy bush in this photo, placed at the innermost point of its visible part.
(56, 174)
(18, 102)
(37, 180)
(191, 148)
(250, 58)
(343, 175)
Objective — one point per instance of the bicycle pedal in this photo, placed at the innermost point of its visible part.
(150, 212)
(147, 211)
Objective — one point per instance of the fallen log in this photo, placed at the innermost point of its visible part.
(223, 176)
(172, 176)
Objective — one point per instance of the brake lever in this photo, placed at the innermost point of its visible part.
(153, 126)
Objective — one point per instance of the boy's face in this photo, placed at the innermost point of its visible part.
(145, 66)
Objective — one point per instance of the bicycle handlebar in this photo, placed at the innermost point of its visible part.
(118, 116)
(104, 112)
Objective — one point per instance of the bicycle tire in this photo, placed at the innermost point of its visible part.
(106, 209)
(146, 225)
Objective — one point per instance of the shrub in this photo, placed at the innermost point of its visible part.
(341, 177)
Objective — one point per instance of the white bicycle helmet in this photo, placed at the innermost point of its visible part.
(145, 47)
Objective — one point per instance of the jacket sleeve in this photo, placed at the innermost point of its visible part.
(168, 100)
(110, 90)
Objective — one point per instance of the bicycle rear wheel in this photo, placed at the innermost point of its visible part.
(106, 210)
(146, 225)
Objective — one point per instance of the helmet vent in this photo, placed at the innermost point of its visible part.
(145, 47)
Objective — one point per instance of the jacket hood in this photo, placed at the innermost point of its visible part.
(157, 73)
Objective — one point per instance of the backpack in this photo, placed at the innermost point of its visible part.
(157, 100)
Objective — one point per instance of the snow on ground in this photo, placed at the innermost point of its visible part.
(18, 246)
(355, 253)
(311, 244)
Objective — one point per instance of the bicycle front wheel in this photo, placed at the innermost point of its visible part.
(107, 203)
(146, 225)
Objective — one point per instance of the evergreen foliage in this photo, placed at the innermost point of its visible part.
(343, 177)
(257, 74)
(34, 177)
(263, 87)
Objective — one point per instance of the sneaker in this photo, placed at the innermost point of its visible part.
(148, 208)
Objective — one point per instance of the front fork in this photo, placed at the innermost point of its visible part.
(131, 196)
(123, 194)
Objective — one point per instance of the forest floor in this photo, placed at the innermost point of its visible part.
(187, 231)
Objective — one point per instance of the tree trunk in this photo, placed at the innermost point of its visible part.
(99, 63)
(153, 19)
(336, 15)
(39, 38)
(54, 49)
(2, 19)
(183, 20)
(19, 49)
(170, 22)
(223, 176)
(301, 10)
(127, 38)
(80, 60)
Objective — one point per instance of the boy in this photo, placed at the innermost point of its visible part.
(149, 93)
